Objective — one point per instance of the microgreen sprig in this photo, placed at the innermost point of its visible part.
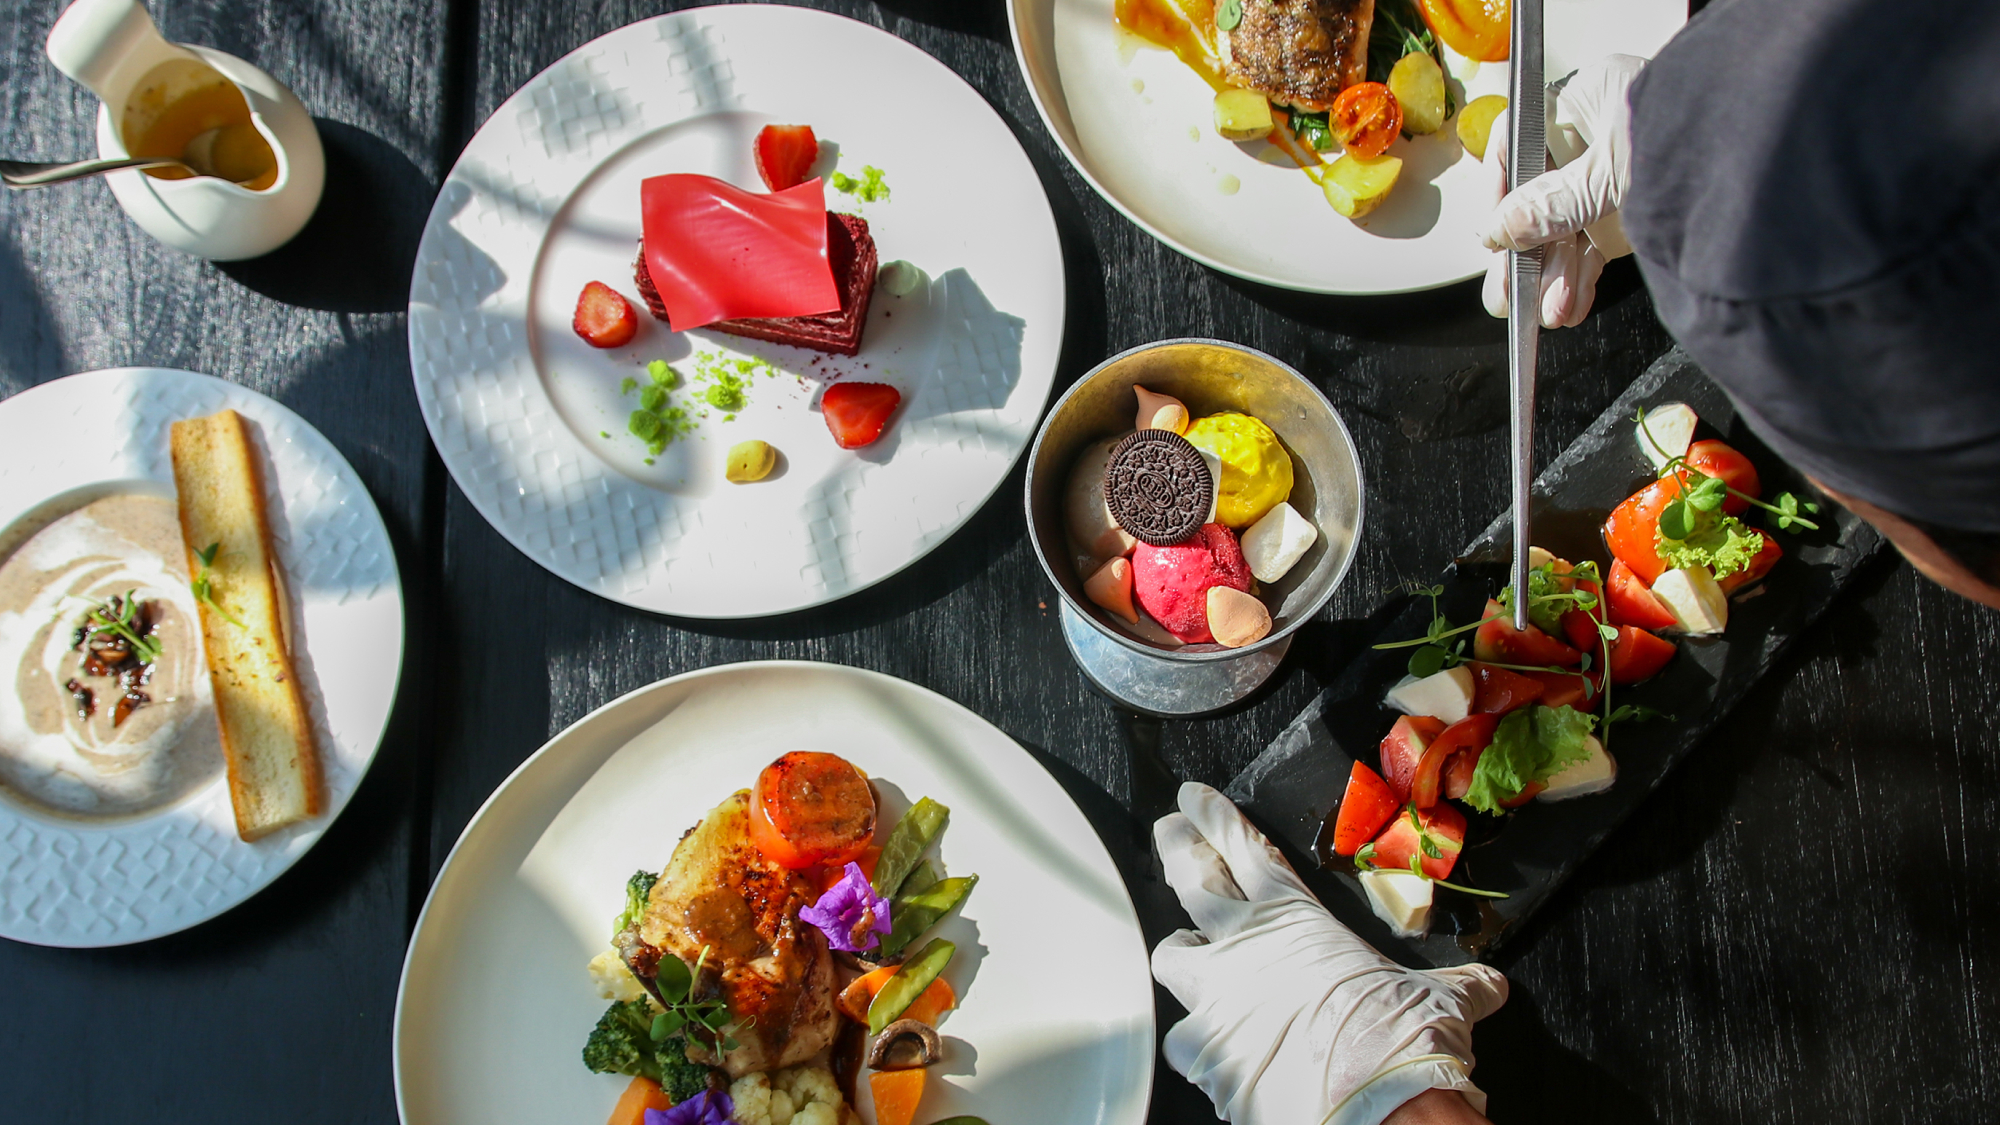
(676, 985)
(101, 619)
(1705, 493)
(204, 584)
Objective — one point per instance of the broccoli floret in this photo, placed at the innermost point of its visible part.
(636, 889)
(622, 1043)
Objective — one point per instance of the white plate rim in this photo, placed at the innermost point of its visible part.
(1051, 328)
(294, 842)
(608, 716)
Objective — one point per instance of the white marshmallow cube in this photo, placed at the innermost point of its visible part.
(1274, 544)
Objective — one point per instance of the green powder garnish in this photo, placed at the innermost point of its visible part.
(870, 188)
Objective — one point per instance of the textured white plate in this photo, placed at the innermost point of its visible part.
(1139, 127)
(1056, 1022)
(73, 883)
(546, 198)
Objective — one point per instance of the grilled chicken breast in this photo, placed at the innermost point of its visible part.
(774, 971)
(1299, 53)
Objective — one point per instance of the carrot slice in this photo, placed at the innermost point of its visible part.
(641, 1095)
(897, 1093)
(928, 1008)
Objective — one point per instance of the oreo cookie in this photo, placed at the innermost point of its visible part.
(1158, 487)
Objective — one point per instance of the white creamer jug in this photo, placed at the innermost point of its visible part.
(156, 95)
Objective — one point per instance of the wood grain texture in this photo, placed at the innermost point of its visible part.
(1795, 928)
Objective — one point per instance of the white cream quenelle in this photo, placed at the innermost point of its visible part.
(1292, 1019)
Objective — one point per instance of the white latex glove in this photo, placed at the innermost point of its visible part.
(1292, 1019)
(1573, 208)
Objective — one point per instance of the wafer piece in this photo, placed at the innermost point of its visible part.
(274, 770)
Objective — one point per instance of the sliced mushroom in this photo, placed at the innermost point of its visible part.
(906, 1045)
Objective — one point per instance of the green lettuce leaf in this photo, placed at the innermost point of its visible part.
(1719, 544)
(1530, 745)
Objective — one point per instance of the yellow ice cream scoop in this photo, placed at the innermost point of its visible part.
(1256, 470)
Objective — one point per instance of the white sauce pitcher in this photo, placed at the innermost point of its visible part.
(113, 48)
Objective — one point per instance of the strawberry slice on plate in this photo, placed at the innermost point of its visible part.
(604, 318)
(785, 155)
(856, 412)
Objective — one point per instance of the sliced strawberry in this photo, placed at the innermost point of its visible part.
(1638, 655)
(785, 155)
(1403, 840)
(604, 318)
(1631, 603)
(1364, 809)
(1499, 642)
(856, 412)
(1403, 747)
(1498, 691)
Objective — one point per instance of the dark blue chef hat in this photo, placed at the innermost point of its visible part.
(1815, 204)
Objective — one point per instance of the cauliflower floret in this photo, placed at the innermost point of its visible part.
(817, 1113)
(809, 1084)
(613, 980)
(848, 1116)
(752, 1095)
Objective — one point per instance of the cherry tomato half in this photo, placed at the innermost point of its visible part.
(1366, 117)
(811, 809)
(1719, 459)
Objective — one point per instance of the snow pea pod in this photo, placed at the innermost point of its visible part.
(902, 990)
(967, 1119)
(922, 879)
(907, 843)
(910, 915)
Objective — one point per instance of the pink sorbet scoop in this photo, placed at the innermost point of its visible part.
(1173, 582)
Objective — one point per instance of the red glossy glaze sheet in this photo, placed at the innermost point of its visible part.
(717, 252)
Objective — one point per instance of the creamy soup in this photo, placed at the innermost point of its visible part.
(90, 728)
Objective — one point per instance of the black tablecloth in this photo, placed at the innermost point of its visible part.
(1795, 929)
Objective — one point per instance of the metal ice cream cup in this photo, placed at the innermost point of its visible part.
(1210, 376)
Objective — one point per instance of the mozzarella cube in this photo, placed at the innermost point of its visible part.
(1699, 606)
(1579, 779)
(1445, 696)
(1401, 899)
(1539, 558)
(1275, 543)
(1667, 433)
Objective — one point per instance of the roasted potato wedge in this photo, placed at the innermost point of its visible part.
(1242, 115)
(1475, 123)
(1356, 185)
(1418, 83)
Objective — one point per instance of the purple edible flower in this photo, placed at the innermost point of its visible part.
(711, 1108)
(850, 913)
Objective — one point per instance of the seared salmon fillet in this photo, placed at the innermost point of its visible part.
(1300, 53)
(774, 971)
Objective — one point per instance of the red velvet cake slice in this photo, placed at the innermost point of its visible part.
(850, 250)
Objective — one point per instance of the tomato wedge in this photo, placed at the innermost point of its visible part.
(1498, 642)
(1402, 841)
(1477, 29)
(811, 809)
(1497, 691)
(1720, 459)
(1766, 558)
(1403, 747)
(1633, 529)
(1631, 603)
(1565, 689)
(1638, 655)
(1364, 809)
(1469, 735)
(1580, 625)
(1524, 796)
(1458, 773)
(1366, 117)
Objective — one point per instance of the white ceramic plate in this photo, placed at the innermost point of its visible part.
(1139, 127)
(74, 883)
(531, 420)
(1056, 1015)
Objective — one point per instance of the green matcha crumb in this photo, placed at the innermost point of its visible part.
(870, 188)
(628, 386)
(662, 375)
(604, 433)
(649, 461)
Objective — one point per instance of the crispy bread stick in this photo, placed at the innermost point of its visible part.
(274, 770)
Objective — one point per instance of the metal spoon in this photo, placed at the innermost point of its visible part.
(28, 174)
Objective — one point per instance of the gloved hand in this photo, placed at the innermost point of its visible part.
(1292, 1019)
(1573, 208)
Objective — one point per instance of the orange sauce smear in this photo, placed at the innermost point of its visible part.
(1181, 26)
(240, 153)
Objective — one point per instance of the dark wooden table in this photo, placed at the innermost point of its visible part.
(1797, 928)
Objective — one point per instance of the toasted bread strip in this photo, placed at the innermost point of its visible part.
(274, 770)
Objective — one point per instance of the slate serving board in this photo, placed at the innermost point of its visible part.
(1291, 787)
